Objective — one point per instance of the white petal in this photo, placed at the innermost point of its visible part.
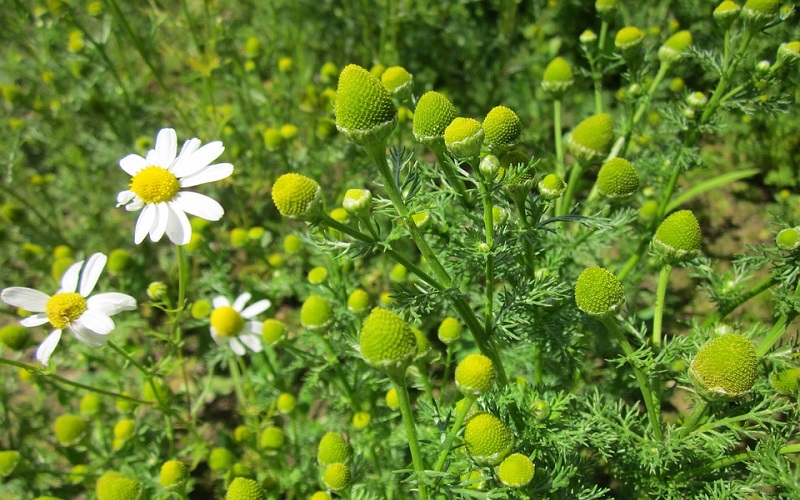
(69, 280)
(255, 327)
(144, 223)
(91, 273)
(123, 197)
(26, 298)
(166, 146)
(252, 341)
(179, 230)
(198, 204)
(237, 347)
(86, 335)
(135, 205)
(111, 303)
(219, 340)
(212, 173)
(132, 164)
(183, 165)
(160, 222)
(96, 321)
(220, 302)
(199, 159)
(241, 300)
(47, 347)
(255, 309)
(34, 320)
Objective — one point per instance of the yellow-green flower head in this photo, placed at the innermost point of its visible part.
(786, 382)
(328, 72)
(592, 138)
(240, 469)
(617, 179)
(361, 419)
(339, 215)
(588, 37)
(475, 375)
(789, 52)
(434, 112)
(490, 166)
(333, 449)
(286, 403)
(242, 488)
(423, 344)
(292, 244)
(70, 429)
(14, 337)
(726, 13)
(392, 399)
(220, 459)
(289, 131)
(788, 239)
(386, 341)
(605, 6)
(473, 480)
(91, 404)
(488, 439)
(119, 260)
(516, 471)
(115, 486)
(675, 47)
(252, 47)
(273, 139)
(463, 137)
(629, 37)
(398, 273)
(320, 495)
(174, 474)
(316, 313)
(297, 196)
(255, 233)
(272, 331)
(124, 428)
(358, 301)
(501, 128)
(272, 439)
(364, 108)
(551, 187)
(398, 81)
(357, 201)
(48, 497)
(725, 368)
(242, 434)
(238, 237)
(598, 292)
(757, 13)
(8, 462)
(317, 275)
(678, 237)
(557, 77)
(336, 476)
(520, 185)
(201, 309)
(450, 330)
(697, 100)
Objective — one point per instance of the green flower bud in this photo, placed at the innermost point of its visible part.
(201, 309)
(124, 429)
(697, 100)
(336, 476)
(789, 52)
(62, 251)
(788, 239)
(125, 405)
(488, 439)
(540, 410)
(252, 47)
(421, 219)
(434, 112)
(156, 390)
(255, 233)
(364, 110)
(473, 480)
(238, 237)
(475, 375)
(328, 72)
(516, 471)
(725, 368)
(242, 434)
(357, 201)
(361, 419)
(272, 331)
(297, 196)
(628, 38)
(678, 237)
(333, 449)
(292, 244)
(286, 403)
(91, 404)
(174, 474)
(551, 187)
(115, 486)
(220, 459)
(392, 399)
(8, 462)
(119, 260)
(243, 488)
(558, 78)
(285, 64)
(272, 439)
(450, 330)
(70, 429)
(489, 166)
(398, 273)
(239, 469)
(592, 138)
(675, 47)
(320, 495)
(598, 292)
(386, 341)
(786, 382)
(499, 216)
(358, 301)
(617, 179)
(502, 128)
(423, 344)
(757, 13)
(317, 275)
(273, 139)
(14, 337)
(726, 13)
(604, 7)
(588, 37)
(157, 290)
(289, 131)
(463, 137)
(316, 313)
(398, 81)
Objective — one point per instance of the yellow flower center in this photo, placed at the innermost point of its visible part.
(226, 321)
(155, 185)
(64, 308)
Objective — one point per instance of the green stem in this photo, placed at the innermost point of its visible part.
(729, 308)
(446, 377)
(597, 75)
(729, 67)
(661, 293)
(461, 415)
(557, 135)
(449, 171)
(233, 366)
(644, 104)
(564, 204)
(333, 361)
(735, 459)
(399, 382)
(177, 326)
(694, 419)
(488, 224)
(774, 335)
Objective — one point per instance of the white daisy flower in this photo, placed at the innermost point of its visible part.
(156, 183)
(89, 318)
(234, 324)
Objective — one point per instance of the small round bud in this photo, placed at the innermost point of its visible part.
(91, 404)
(789, 52)
(14, 337)
(499, 215)
(317, 275)
(220, 459)
(273, 139)
(675, 47)
(433, 114)
(336, 476)
(757, 13)
(516, 471)
(788, 239)
(333, 449)
(357, 201)
(289, 131)
(320, 495)
(763, 67)
(119, 260)
(488, 439)
(115, 486)
(450, 330)
(316, 313)
(398, 273)
(358, 301)
(558, 77)
(201, 309)
(124, 429)
(475, 375)
(243, 488)
(604, 7)
(386, 340)
(551, 187)
(678, 237)
(592, 138)
(725, 368)
(285, 64)
(628, 38)
(473, 480)
(297, 196)
(501, 128)
(286, 403)
(8, 462)
(292, 244)
(272, 439)
(70, 429)
(697, 100)
(786, 382)
(157, 290)
(238, 237)
(598, 292)
(398, 81)
(242, 434)
(617, 179)
(174, 474)
(588, 37)
(540, 410)
(463, 137)
(328, 72)
(726, 13)
(489, 166)
(273, 331)
(361, 419)
(392, 400)
(364, 109)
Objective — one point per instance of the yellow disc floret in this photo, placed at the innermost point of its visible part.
(174, 474)
(678, 237)
(488, 439)
(296, 195)
(433, 114)
(316, 313)
(725, 368)
(243, 488)
(115, 486)
(272, 439)
(516, 470)
(475, 375)
(336, 476)
(386, 341)
(463, 137)
(501, 127)
(155, 184)
(551, 187)
(598, 292)
(675, 46)
(227, 321)
(592, 138)
(628, 38)
(617, 179)
(70, 429)
(64, 308)
(333, 448)
(364, 108)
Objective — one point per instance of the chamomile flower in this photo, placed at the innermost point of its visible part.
(157, 181)
(89, 318)
(233, 324)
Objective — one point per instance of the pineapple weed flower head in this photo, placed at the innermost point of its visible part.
(156, 187)
(233, 324)
(89, 318)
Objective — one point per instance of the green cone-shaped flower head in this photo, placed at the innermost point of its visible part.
(272, 331)
(398, 81)
(501, 128)
(115, 486)
(386, 341)
(551, 187)
(357, 201)
(628, 38)
(678, 237)
(757, 13)
(433, 114)
(675, 47)
(726, 13)
(558, 78)
(174, 474)
(8, 462)
(475, 375)
(336, 476)
(297, 196)
(70, 429)
(220, 459)
(358, 301)
(332, 449)
(463, 137)
(272, 439)
(592, 138)
(725, 368)
(450, 330)
(488, 439)
(242, 488)
(316, 313)
(364, 110)
(788, 239)
(617, 179)
(786, 381)
(516, 471)
(423, 344)
(14, 337)
(598, 292)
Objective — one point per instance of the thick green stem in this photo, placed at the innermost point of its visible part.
(461, 415)
(399, 383)
(729, 67)
(557, 136)
(774, 335)
(661, 293)
(565, 202)
(597, 74)
(695, 418)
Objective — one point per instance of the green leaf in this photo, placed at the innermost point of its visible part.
(708, 185)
